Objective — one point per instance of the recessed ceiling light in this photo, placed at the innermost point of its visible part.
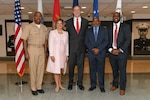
(67, 7)
(29, 12)
(145, 7)
(83, 7)
(82, 12)
(132, 11)
(21, 8)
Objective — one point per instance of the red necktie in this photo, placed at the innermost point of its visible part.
(77, 26)
(115, 36)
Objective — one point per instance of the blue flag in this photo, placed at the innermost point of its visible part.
(75, 3)
(95, 9)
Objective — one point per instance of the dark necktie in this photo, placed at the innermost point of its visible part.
(115, 36)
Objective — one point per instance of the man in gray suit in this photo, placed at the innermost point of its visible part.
(76, 27)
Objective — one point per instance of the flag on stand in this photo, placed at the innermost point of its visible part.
(95, 9)
(19, 51)
(56, 10)
(119, 9)
(75, 3)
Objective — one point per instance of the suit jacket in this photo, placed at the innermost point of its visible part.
(101, 43)
(123, 40)
(76, 41)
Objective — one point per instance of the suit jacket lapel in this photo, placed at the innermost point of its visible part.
(119, 32)
(72, 23)
(81, 25)
(99, 35)
(92, 35)
(111, 35)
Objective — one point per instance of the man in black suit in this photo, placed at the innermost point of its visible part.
(119, 40)
(76, 27)
(96, 41)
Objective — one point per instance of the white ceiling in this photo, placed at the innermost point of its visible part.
(106, 7)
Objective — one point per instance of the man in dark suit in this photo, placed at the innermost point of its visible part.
(76, 27)
(119, 40)
(96, 41)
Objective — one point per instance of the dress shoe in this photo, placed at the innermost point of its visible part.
(102, 89)
(81, 87)
(69, 87)
(92, 88)
(122, 92)
(113, 88)
(34, 93)
(40, 91)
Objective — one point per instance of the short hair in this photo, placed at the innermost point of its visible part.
(76, 6)
(37, 12)
(96, 18)
(118, 13)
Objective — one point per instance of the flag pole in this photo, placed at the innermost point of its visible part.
(21, 83)
(19, 51)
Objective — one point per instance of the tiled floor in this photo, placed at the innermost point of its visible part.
(138, 84)
(138, 88)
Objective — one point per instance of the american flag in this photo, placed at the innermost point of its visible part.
(19, 51)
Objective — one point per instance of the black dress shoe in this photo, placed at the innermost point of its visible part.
(81, 87)
(41, 91)
(92, 88)
(102, 89)
(34, 93)
(69, 87)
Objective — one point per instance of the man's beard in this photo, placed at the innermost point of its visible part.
(116, 20)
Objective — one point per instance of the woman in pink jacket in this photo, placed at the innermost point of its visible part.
(58, 49)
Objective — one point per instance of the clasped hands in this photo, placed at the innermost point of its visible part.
(96, 51)
(116, 51)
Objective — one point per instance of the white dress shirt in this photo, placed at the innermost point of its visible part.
(114, 27)
(75, 21)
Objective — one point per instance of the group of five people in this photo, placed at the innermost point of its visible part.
(70, 47)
